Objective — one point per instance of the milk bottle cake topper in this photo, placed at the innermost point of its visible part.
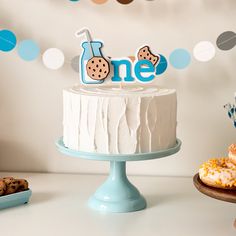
(95, 68)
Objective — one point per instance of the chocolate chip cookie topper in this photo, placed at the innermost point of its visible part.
(145, 53)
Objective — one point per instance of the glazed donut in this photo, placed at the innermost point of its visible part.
(219, 173)
(232, 153)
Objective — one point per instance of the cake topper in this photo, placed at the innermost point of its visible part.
(145, 53)
(95, 68)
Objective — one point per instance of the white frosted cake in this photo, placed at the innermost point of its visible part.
(112, 120)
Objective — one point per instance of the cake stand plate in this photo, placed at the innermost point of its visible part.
(217, 193)
(117, 194)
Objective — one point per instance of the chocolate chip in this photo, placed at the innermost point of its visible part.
(99, 76)
(92, 61)
(94, 70)
(93, 75)
(89, 67)
(104, 65)
(100, 60)
(143, 50)
(97, 66)
(150, 58)
(144, 57)
(100, 70)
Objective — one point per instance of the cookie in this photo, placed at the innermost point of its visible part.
(144, 53)
(7, 180)
(2, 187)
(98, 68)
(22, 185)
(11, 186)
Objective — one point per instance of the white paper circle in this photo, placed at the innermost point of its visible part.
(204, 51)
(53, 58)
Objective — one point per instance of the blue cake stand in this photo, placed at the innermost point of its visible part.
(117, 194)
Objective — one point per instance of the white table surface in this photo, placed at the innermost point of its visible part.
(58, 207)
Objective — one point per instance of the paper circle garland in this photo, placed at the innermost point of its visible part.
(103, 1)
(125, 1)
(180, 58)
(28, 50)
(7, 40)
(204, 51)
(53, 58)
(99, 1)
(75, 63)
(226, 40)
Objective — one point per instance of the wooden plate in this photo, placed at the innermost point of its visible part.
(217, 193)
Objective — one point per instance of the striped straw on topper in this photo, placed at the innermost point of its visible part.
(88, 38)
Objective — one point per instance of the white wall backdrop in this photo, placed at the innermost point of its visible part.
(31, 94)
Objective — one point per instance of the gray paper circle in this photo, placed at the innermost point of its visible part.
(75, 63)
(226, 40)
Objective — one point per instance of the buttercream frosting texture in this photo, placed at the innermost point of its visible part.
(113, 120)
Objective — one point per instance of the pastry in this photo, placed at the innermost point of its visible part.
(11, 186)
(232, 153)
(119, 120)
(2, 187)
(219, 173)
(22, 185)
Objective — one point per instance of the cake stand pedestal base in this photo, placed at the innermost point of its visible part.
(117, 194)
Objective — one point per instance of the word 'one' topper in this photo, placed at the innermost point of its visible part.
(95, 68)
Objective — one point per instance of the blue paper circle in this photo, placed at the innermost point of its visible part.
(162, 65)
(180, 58)
(28, 50)
(7, 40)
